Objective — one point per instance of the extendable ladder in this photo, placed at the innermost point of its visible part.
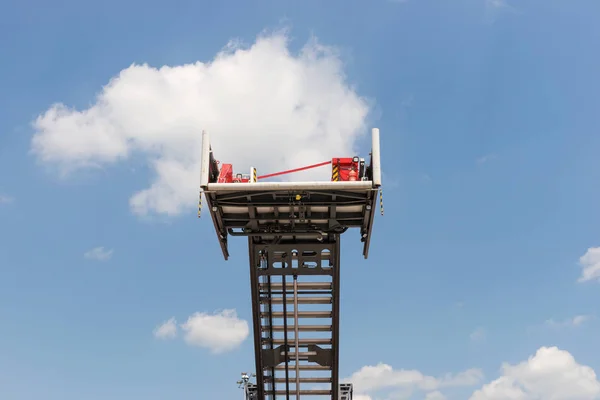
(293, 231)
(295, 298)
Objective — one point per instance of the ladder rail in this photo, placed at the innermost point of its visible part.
(313, 271)
(258, 315)
(335, 320)
(296, 339)
(285, 338)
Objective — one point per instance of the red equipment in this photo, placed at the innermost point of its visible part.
(352, 175)
(347, 169)
(226, 175)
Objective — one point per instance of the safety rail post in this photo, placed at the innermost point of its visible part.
(205, 161)
(376, 157)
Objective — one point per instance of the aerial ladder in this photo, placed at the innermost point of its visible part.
(293, 231)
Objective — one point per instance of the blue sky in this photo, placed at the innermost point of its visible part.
(488, 119)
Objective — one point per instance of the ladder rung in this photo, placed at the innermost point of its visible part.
(301, 342)
(301, 300)
(314, 367)
(309, 392)
(301, 314)
(301, 286)
(302, 355)
(301, 328)
(304, 380)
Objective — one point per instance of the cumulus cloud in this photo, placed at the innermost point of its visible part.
(220, 332)
(437, 395)
(550, 374)
(99, 254)
(590, 264)
(167, 330)
(263, 106)
(373, 378)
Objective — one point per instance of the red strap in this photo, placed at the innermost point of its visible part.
(289, 171)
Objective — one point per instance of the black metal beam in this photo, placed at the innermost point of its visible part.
(253, 216)
(271, 371)
(274, 197)
(218, 224)
(368, 227)
(335, 320)
(256, 317)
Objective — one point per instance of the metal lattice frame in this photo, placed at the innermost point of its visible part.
(317, 266)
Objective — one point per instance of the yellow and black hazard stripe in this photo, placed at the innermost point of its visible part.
(335, 172)
(254, 177)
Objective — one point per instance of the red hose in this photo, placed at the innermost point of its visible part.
(289, 171)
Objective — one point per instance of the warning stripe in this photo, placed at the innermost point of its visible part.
(335, 173)
(254, 175)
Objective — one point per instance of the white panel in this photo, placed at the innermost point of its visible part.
(376, 157)
(205, 161)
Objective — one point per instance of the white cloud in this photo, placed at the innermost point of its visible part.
(263, 106)
(437, 395)
(220, 332)
(574, 321)
(168, 330)
(477, 335)
(99, 253)
(5, 199)
(550, 374)
(382, 376)
(590, 264)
